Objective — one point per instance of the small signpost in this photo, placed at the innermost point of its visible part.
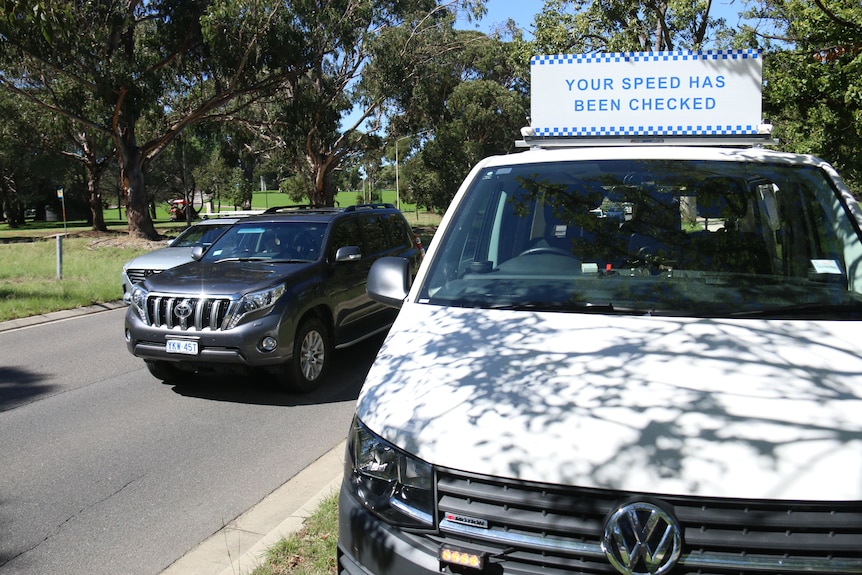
(60, 236)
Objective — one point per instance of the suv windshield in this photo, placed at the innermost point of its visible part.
(689, 238)
(283, 241)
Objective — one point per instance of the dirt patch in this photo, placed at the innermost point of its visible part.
(116, 239)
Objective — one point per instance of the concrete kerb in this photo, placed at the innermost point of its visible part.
(59, 315)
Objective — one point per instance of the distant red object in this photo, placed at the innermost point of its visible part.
(177, 211)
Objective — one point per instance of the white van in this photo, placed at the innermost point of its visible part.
(678, 390)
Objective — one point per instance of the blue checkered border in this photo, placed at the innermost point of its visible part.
(705, 130)
(670, 56)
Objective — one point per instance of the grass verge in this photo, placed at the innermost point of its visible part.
(309, 551)
(89, 274)
(91, 265)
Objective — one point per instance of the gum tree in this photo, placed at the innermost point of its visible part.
(161, 64)
(813, 77)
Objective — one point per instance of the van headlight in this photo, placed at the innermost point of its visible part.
(393, 485)
(256, 301)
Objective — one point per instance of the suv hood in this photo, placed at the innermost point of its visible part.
(161, 258)
(225, 278)
(718, 408)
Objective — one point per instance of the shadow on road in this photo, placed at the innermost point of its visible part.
(20, 386)
(347, 372)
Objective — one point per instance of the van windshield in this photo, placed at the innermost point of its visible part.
(687, 238)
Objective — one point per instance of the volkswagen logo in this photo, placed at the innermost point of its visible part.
(183, 309)
(642, 539)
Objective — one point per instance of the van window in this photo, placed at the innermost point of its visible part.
(700, 238)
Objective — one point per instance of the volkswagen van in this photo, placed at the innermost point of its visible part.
(677, 390)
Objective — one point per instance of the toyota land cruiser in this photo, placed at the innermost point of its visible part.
(276, 292)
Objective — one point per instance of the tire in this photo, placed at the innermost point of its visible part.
(166, 371)
(312, 353)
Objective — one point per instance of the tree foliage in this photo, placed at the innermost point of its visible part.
(159, 64)
(813, 78)
(585, 26)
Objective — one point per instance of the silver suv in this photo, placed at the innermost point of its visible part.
(276, 292)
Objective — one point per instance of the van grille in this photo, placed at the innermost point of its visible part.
(542, 529)
(187, 313)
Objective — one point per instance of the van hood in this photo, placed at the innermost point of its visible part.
(707, 407)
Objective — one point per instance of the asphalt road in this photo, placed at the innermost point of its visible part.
(104, 469)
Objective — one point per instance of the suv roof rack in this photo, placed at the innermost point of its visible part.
(297, 208)
(325, 209)
(369, 207)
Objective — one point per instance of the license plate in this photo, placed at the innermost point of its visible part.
(183, 346)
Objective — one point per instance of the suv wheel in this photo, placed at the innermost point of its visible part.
(165, 371)
(312, 351)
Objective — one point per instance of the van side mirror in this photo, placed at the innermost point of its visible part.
(198, 252)
(389, 281)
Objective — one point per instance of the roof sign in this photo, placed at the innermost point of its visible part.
(680, 93)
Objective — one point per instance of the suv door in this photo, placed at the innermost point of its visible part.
(351, 303)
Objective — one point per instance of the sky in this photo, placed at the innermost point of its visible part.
(523, 11)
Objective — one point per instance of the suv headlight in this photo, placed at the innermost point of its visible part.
(138, 301)
(393, 485)
(256, 301)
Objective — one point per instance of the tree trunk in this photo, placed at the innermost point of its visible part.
(323, 192)
(134, 190)
(94, 194)
(94, 170)
(10, 204)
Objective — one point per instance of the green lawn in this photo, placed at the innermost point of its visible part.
(33, 281)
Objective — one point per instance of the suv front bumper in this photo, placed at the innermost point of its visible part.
(238, 346)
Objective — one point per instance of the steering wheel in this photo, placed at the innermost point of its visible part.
(546, 250)
(303, 245)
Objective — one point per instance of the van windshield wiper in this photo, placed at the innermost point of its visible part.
(574, 307)
(847, 310)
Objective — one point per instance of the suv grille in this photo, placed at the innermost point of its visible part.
(542, 529)
(137, 276)
(187, 312)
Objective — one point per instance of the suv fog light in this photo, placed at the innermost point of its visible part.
(268, 343)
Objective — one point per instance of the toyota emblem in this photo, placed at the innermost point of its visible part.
(641, 538)
(183, 309)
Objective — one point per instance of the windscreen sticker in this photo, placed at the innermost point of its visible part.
(826, 267)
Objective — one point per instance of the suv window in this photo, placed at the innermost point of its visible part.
(283, 240)
(398, 233)
(374, 234)
(345, 233)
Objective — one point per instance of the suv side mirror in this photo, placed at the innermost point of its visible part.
(198, 252)
(389, 281)
(348, 254)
